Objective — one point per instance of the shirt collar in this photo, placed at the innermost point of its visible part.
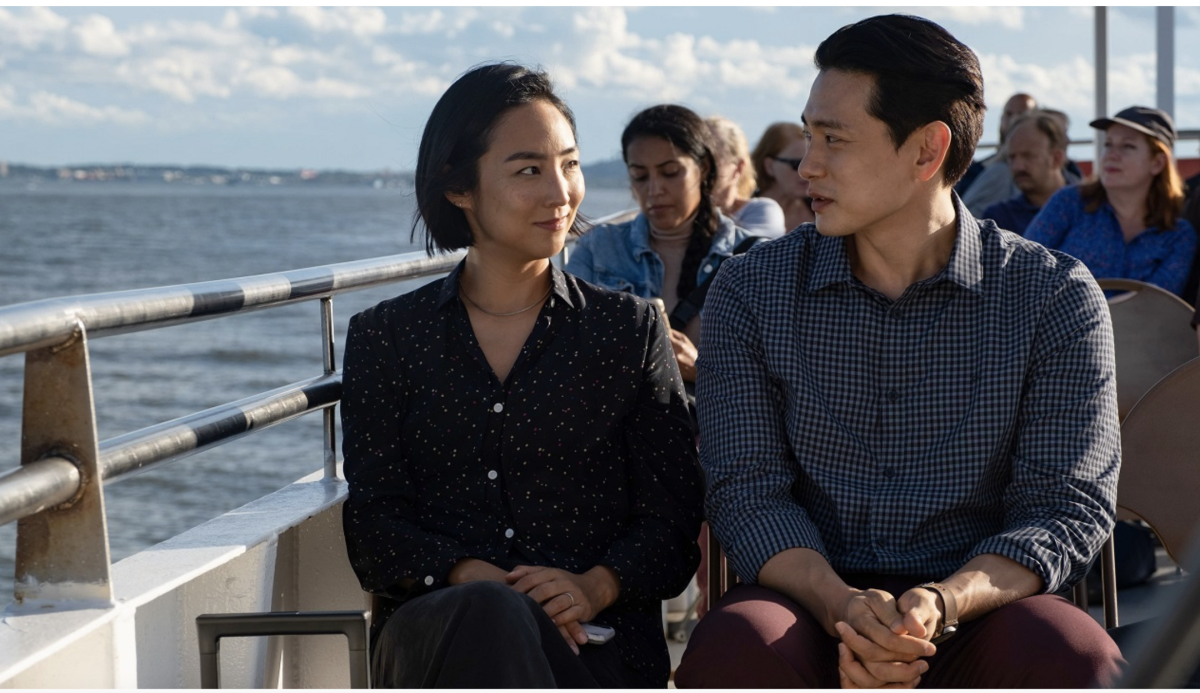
(966, 259)
(724, 240)
(965, 268)
(640, 232)
(726, 237)
(830, 264)
(449, 290)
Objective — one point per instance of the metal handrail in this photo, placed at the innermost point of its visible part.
(48, 482)
(49, 322)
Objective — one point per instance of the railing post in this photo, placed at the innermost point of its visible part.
(62, 552)
(330, 413)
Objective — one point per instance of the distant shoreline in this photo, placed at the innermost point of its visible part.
(601, 174)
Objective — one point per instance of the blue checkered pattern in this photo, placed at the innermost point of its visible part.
(975, 414)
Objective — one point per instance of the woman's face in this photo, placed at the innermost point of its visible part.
(788, 182)
(665, 182)
(530, 185)
(1129, 161)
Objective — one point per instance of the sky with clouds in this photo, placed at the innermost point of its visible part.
(351, 87)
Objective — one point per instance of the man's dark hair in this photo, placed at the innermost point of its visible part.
(689, 134)
(922, 74)
(458, 133)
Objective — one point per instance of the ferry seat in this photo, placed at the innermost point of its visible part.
(1160, 469)
(1152, 335)
(717, 568)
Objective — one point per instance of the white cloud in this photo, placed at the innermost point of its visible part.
(183, 75)
(1187, 81)
(604, 54)
(449, 23)
(503, 29)
(97, 36)
(54, 109)
(1066, 85)
(277, 82)
(1007, 17)
(1131, 80)
(357, 21)
(34, 28)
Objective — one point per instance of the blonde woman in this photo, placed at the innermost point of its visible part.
(776, 164)
(736, 182)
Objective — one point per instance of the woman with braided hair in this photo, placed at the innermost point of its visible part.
(675, 245)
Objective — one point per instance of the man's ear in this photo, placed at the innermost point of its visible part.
(1058, 157)
(934, 144)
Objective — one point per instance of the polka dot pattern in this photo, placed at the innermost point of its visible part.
(585, 455)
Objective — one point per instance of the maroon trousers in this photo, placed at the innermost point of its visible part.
(757, 638)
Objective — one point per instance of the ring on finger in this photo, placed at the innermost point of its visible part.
(569, 596)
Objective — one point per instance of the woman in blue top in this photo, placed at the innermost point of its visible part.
(680, 237)
(1126, 222)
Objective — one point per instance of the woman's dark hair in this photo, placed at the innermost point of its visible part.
(458, 133)
(922, 75)
(689, 134)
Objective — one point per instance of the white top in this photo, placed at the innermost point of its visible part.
(761, 216)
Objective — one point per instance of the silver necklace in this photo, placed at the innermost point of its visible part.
(485, 311)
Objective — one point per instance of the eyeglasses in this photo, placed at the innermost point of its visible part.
(793, 164)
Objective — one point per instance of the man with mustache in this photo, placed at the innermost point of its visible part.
(1037, 149)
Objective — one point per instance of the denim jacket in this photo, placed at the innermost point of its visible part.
(619, 256)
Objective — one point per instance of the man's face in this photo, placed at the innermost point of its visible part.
(1034, 165)
(857, 179)
(1017, 106)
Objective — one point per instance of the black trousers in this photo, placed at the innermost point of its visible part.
(487, 635)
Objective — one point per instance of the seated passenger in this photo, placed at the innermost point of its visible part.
(776, 159)
(1037, 147)
(1126, 223)
(518, 448)
(908, 418)
(991, 180)
(680, 238)
(1071, 171)
(736, 182)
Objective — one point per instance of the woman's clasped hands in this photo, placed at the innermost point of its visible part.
(569, 599)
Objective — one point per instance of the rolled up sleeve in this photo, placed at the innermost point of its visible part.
(1060, 503)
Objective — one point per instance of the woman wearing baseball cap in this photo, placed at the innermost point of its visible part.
(1125, 222)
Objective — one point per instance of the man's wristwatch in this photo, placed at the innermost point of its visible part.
(949, 612)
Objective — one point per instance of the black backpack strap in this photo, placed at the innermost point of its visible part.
(689, 307)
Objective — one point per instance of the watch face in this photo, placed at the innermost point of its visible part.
(947, 633)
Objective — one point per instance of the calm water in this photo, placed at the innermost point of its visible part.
(64, 239)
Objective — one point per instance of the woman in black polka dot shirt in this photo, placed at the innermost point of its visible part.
(520, 455)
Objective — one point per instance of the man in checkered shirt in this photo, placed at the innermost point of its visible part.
(907, 416)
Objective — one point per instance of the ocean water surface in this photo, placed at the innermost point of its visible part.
(79, 238)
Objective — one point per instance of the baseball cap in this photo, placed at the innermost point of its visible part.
(1151, 121)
